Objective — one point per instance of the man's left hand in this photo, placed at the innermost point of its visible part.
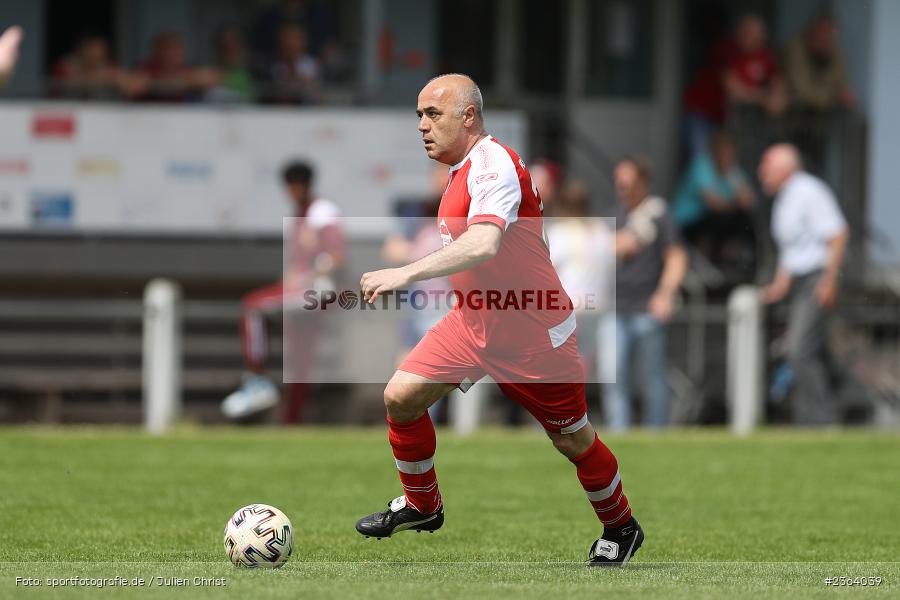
(662, 305)
(375, 283)
(827, 291)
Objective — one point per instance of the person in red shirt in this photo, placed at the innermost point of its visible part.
(752, 76)
(513, 321)
(741, 70)
(168, 77)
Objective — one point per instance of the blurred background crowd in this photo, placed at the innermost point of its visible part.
(622, 101)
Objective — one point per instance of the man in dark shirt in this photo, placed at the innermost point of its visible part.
(652, 264)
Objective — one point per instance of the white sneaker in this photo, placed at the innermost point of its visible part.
(256, 394)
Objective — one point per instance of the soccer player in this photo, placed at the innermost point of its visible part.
(490, 220)
(316, 247)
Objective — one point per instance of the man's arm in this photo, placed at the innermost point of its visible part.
(826, 289)
(479, 243)
(675, 265)
(779, 288)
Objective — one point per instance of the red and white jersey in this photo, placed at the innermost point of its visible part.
(513, 303)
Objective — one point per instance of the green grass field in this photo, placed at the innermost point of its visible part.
(768, 516)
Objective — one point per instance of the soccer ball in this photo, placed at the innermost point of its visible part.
(259, 535)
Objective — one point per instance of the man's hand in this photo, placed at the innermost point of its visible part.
(9, 51)
(375, 283)
(662, 305)
(778, 289)
(827, 290)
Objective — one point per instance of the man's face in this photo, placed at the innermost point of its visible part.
(773, 171)
(751, 34)
(299, 193)
(442, 130)
(629, 186)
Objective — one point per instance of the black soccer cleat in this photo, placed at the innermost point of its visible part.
(399, 517)
(617, 546)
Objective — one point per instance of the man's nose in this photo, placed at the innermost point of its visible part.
(423, 124)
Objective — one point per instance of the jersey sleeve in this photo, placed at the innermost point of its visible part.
(494, 189)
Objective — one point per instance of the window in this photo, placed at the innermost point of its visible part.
(621, 44)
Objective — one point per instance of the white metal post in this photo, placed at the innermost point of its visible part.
(465, 410)
(161, 354)
(745, 359)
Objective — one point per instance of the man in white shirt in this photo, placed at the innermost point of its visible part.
(811, 235)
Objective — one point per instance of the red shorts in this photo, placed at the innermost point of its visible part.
(549, 385)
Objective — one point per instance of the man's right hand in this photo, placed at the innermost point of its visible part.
(778, 289)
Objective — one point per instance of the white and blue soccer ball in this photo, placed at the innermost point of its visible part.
(259, 535)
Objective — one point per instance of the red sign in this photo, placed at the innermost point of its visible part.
(53, 125)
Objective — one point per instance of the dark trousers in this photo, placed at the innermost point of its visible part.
(808, 354)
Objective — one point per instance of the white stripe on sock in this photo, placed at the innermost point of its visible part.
(598, 495)
(414, 468)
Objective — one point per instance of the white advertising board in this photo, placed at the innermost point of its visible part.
(187, 169)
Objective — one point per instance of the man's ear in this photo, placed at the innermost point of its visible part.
(469, 116)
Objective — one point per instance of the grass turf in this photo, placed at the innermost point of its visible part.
(772, 515)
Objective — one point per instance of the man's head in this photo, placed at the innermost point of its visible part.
(229, 46)
(750, 33)
(298, 179)
(822, 35)
(169, 50)
(778, 163)
(546, 176)
(92, 51)
(450, 110)
(632, 179)
(293, 42)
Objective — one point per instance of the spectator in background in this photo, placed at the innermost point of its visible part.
(418, 237)
(9, 52)
(752, 77)
(819, 87)
(546, 175)
(295, 75)
(314, 255)
(651, 267)
(816, 71)
(714, 201)
(811, 235)
(315, 16)
(581, 250)
(167, 77)
(235, 84)
(741, 71)
(704, 100)
(89, 72)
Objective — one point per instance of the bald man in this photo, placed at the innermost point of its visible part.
(512, 321)
(9, 52)
(811, 235)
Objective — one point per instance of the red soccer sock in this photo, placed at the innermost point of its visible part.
(598, 472)
(414, 444)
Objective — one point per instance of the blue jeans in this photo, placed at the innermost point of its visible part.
(618, 336)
